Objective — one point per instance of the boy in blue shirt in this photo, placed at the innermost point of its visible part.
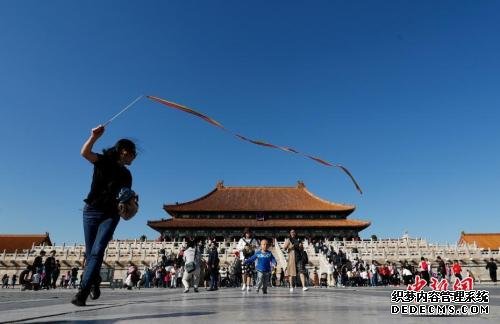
(265, 260)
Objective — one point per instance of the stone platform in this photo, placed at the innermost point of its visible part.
(229, 305)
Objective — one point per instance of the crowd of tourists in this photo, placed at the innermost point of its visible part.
(197, 264)
(43, 273)
(356, 272)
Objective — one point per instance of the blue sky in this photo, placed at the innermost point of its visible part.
(403, 93)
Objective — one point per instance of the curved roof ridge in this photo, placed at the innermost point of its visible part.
(260, 198)
(194, 200)
(24, 235)
(326, 201)
(259, 187)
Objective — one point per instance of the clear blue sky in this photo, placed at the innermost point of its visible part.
(404, 93)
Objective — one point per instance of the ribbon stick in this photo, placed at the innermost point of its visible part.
(123, 110)
(256, 142)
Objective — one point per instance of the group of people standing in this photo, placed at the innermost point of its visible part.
(248, 251)
(43, 273)
(187, 268)
(47, 268)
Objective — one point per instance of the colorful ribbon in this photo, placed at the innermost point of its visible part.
(256, 142)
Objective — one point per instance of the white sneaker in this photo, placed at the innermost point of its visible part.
(249, 288)
(244, 287)
(291, 289)
(305, 289)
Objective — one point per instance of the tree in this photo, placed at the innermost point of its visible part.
(143, 238)
(374, 237)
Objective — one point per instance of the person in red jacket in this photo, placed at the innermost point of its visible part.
(457, 270)
(424, 270)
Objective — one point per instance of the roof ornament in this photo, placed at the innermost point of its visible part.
(300, 184)
(220, 184)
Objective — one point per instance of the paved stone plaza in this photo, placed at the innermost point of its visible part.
(349, 305)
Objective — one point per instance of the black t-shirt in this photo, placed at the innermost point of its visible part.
(38, 262)
(109, 177)
(295, 243)
(23, 277)
(50, 263)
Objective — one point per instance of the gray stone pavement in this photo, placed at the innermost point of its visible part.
(229, 305)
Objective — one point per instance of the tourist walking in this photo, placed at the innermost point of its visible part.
(14, 280)
(38, 263)
(213, 267)
(457, 270)
(246, 247)
(74, 277)
(55, 274)
(373, 274)
(101, 212)
(237, 270)
(192, 258)
(50, 267)
(441, 268)
(424, 270)
(5, 281)
(329, 273)
(265, 260)
(492, 267)
(292, 245)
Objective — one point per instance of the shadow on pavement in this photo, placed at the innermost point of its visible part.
(141, 317)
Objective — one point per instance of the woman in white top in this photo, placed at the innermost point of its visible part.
(247, 246)
(192, 258)
(330, 279)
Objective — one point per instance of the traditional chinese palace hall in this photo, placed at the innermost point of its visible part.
(268, 211)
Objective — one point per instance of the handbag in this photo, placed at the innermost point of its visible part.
(128, 203)
(190, 267)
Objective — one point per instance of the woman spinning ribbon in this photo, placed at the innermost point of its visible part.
(109, 198)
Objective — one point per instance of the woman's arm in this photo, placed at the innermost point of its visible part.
(86, 150)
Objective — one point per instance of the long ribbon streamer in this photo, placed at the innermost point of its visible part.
(256, 142)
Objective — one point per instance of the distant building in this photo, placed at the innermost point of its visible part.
(268, 211)
(20, 242)
(481, 240)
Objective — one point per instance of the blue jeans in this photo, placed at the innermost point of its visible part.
(374, 280)
(262, 280)
(214, 278)
(98, 229)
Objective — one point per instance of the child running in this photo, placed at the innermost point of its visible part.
(265, 260)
